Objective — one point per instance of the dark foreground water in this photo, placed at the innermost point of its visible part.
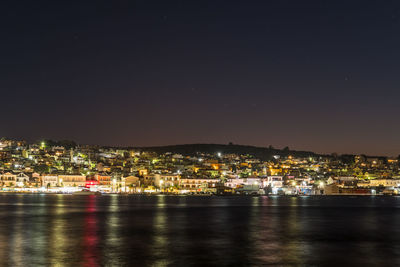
(65, 230)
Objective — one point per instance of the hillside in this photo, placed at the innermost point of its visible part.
(263, 153)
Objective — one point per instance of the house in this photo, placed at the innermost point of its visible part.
(273, 181)
(198, 184)
(147, 180)
(131, 182)
(166, 180)
(240, 182)
(72, 180)
(103, 178)
(380, 182)
(21, 179)
(8, 179)
(49, 180)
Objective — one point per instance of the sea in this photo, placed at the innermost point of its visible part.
(131, 230)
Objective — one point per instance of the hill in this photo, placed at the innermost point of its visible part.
(264, 153)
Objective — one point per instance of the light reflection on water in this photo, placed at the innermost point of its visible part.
(90, 250)
(112, 238)
(65, 230)
(160, 239)
(57, 238)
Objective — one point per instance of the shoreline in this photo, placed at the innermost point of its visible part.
(200, 195)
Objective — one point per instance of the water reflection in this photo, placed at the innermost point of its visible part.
(37, 246)
(16, 251)
(111, 252)
(91, 253)
(159, 248)
(63, 230)
(57, 239)
(292, 246)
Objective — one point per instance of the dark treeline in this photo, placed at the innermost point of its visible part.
(263, 153)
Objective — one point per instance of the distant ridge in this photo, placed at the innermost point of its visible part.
(264, 153)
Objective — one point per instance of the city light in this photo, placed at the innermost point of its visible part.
(60, 170)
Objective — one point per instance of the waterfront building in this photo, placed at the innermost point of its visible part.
(49, 180)
(197, 184)
(21, 179)
(380, 182)
(103, 178)
(8, 179)
(274, 181)
(166, 180)
(132, 183)
(72, 180)
(147, 180)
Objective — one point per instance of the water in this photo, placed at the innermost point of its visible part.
(65, 230)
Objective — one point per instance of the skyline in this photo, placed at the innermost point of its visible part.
(179, 148)
(312, 76)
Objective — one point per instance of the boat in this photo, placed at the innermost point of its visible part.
(86, 193)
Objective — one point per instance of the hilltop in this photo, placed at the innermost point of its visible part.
(264, 153)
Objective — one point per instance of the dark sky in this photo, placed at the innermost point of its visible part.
(313, 75)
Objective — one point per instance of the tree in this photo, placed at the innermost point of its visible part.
(42, 168)
(131, 188)
(268, 189)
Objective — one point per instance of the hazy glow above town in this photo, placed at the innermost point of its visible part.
(316, 76)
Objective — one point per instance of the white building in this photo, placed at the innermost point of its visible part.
(72, 180)
(21, 179)
(8, 179)
(49, 180)
(273, 181)
(240, 182)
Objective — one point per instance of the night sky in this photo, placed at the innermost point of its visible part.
(312, 75)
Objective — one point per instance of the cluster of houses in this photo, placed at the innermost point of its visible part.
(150, 183)
(51, 166)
